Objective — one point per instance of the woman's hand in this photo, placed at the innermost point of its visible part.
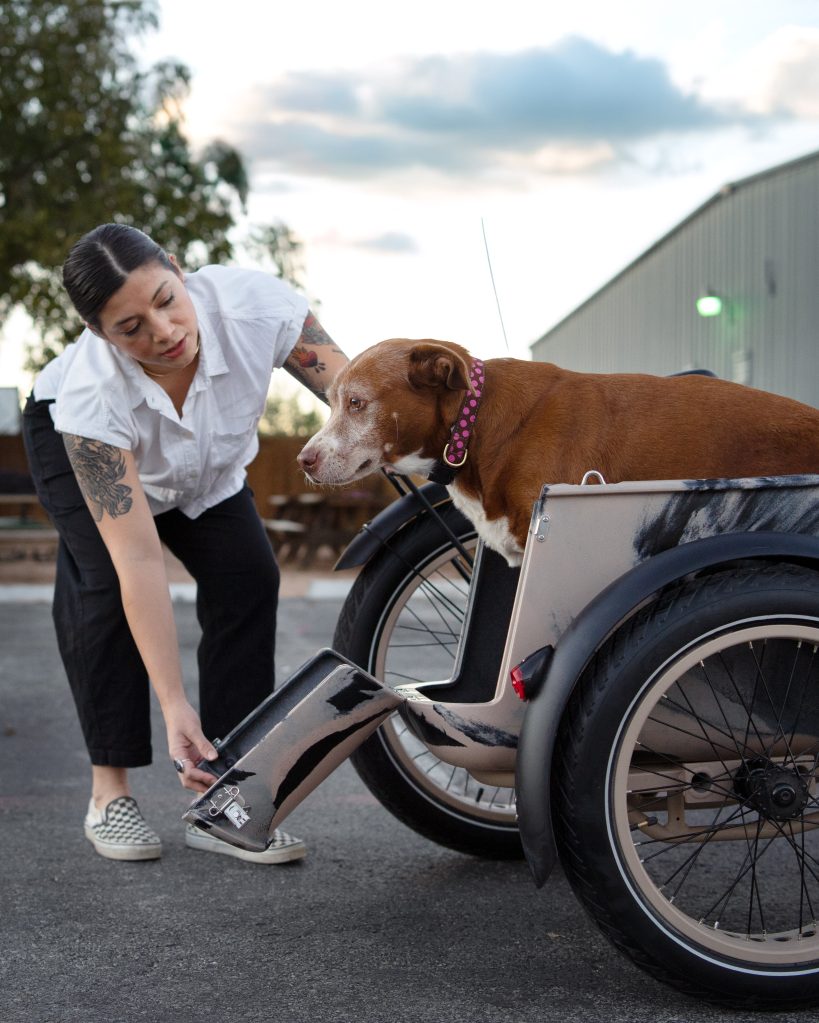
(188, 745)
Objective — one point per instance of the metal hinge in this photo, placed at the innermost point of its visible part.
(540, 520)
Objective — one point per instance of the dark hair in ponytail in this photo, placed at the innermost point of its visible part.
(99, 264)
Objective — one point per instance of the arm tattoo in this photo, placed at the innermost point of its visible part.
(312, 332)
(304, 363)
(99, 468)
(298, 365)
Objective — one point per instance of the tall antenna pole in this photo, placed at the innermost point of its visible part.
(492, 278)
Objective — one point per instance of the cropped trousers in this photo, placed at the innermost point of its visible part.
(226, 551)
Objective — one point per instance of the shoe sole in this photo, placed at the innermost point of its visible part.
(113, 851)
(215, 845)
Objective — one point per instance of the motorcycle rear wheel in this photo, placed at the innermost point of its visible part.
(401, 622)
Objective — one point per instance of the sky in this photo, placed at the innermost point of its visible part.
(474, 171)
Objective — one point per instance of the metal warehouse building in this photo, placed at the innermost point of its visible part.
(752, 252)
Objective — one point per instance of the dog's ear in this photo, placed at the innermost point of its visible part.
(433, 365)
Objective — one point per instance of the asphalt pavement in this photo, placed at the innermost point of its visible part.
(377, 924)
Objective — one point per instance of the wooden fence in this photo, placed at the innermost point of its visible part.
(274, 477)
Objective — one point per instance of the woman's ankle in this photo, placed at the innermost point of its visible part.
(108, 783)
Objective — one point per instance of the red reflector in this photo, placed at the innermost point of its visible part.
(518, 682)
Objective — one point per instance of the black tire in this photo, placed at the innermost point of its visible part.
(401, 622)
(699, 720)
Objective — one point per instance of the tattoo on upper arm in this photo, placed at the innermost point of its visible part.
(312, 332)
(99, 468)
(303, 362)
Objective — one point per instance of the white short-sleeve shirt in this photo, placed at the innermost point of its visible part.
(249, 322)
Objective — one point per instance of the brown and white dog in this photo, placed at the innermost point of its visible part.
(520, 424)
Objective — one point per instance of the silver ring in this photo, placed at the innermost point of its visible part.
(180, 765)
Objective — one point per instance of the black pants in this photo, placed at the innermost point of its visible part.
(226, 551)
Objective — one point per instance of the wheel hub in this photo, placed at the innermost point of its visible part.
(775, 792)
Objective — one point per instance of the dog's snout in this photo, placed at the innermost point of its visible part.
(308, 458)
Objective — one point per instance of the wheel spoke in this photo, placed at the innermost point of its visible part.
(798, 715)
(416, 642)
(681, 786)
(727, 732)
(766, 688)
(695, 839)
(692, 735)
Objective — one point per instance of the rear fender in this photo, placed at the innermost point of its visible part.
(599, 619)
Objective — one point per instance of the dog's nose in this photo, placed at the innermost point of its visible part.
(308, 459)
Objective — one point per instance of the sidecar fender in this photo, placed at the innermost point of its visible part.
(599, 619)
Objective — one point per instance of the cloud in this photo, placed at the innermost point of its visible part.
(480, 113)
(575, 91)
(792, 80)
(391, 242)
(310, 92)
(775, 79)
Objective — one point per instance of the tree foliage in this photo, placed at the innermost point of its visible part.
(291, 414)
(88, 136)
(276, 245)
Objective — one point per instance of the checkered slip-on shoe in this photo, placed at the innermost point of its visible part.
(119, 831)
(282, 848)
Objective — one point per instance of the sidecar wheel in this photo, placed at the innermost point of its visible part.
(685, 788)
(402, 621)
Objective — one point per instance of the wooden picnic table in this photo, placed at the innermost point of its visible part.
(21, 503)
(23, 536)
(308, 526)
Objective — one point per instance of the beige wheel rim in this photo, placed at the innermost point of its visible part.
(764, 900)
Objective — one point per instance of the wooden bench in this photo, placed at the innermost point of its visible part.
(284, 535)
(20, 543)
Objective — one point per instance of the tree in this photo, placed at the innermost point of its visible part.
(275, 244)
(291, 414)
(87, 136)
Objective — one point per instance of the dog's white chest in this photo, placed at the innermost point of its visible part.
(495, 533)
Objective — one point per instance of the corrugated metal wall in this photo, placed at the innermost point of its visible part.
(756, 244)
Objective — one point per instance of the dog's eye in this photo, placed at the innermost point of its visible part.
(356, 404)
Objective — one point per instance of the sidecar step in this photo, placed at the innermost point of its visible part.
(287, 746)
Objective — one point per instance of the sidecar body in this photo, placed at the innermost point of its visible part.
(595, 554)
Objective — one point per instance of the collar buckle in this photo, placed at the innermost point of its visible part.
(449, 458)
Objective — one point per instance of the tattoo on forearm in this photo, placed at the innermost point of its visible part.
(300, 366)
(99, 468)
(302, 359)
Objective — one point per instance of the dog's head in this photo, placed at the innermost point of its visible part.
(392, 405)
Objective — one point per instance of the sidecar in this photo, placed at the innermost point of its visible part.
(640, 699)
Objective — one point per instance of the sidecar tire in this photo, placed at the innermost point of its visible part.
(702, 927)
(363, 635)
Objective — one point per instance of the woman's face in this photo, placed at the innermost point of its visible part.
(152, 319)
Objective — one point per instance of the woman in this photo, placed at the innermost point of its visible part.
(138, 435)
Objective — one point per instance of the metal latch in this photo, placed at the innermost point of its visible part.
(228, 801)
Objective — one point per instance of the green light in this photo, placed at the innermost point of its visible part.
(709, 305)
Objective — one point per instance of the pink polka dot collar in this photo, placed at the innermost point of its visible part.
(456, 449)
